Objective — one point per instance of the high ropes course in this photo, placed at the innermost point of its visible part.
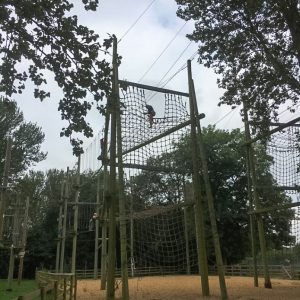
(151, 211)
(164, 233)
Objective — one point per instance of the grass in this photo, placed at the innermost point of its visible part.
(17, 290)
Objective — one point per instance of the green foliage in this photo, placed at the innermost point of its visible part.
(27, 139)
(43, 35)
(254, 46)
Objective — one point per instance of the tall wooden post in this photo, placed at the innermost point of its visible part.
(11, 268)
(122, 213)
(75, 227)
(210, 200)
(260, 225)
(64, 228)
(60, 226)
(251, 208)
(23, 243)
(199, 213)
(4, 185)
(105, 203)
(14, 244)
(186, 233)
(131, 236)
(112, 201)
(96, 247)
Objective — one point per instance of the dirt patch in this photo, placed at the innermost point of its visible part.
(188, 288)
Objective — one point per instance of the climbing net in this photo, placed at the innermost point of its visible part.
(283, 148)
(162, 238)
(139, 136)
(163, 241)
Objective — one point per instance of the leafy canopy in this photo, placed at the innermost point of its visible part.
(27, 139)
(255, 47)
(40, 35)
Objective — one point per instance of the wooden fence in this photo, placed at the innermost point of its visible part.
(62, 286)
(276, 271)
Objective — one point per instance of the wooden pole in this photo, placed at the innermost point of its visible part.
(55, 290)
(210, 200)
(251, 217)
(64, 229)
(105, 204)
(131, 236)
(186, 234)
(60, 226)
(112, 201)
(96, 247)
(24, 240)
(65, 289)
(260, 225)
(199, 213)
(122, 213)
(14, 244)
(75, 227)
(11, 268)
(71, 286)
(4, 185)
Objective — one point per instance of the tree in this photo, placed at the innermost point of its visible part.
(254, 46)
(227, 171)
(27, 139)
(45, 36)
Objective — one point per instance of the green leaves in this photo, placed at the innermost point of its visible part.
(255, 48)
(46, 34)
(27, 139)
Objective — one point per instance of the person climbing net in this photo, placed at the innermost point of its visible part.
(102, 146)
(151, 114)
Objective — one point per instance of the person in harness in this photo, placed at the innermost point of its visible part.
(150, 113)
(102, 144)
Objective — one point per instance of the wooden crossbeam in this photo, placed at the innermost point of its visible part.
(152, 88)
(280, 127)
(272, 208)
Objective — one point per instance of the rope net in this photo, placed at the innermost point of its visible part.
(139, 127)
(162, 240)
(283, 148)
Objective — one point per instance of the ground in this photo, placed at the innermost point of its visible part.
(188, 288)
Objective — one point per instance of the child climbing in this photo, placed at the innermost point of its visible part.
(102, 144)
(150, 113)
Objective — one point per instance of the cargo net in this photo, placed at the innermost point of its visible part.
(163, 242)
(13, 228)
(146, 118)
(283, 147)
(85, 220)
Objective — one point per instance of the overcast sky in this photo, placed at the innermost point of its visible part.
(140, 48)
